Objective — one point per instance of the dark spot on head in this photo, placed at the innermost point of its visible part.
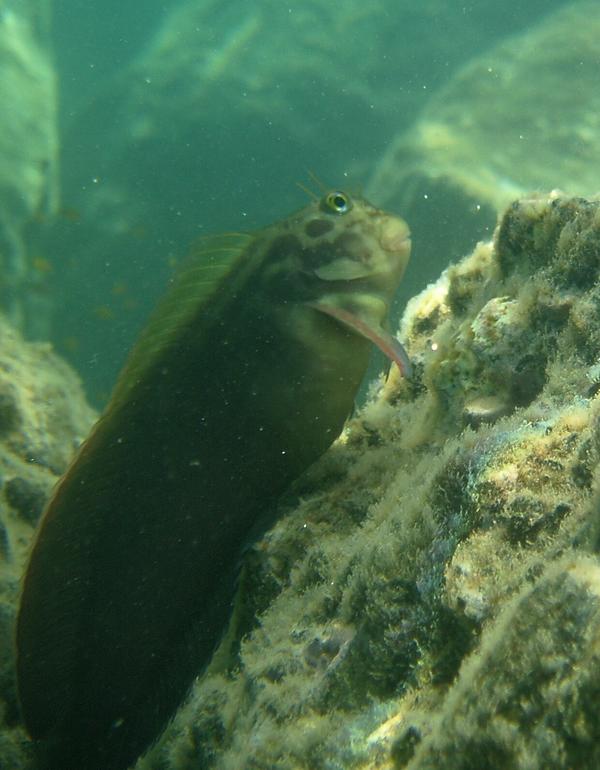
(317, 227)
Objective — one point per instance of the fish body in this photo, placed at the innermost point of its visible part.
(243, 377)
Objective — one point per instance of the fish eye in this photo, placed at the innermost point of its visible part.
(336, 202)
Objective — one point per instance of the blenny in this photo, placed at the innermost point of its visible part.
(242, 378)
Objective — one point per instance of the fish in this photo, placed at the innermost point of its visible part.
(242, 378)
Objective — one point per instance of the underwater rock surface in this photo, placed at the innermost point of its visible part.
(431, 596)
(43, 418)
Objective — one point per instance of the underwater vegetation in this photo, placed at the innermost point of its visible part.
(242, 378)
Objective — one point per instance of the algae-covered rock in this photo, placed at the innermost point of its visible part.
(43, 417)
(529, 697)
(520, 117)
(429, 597)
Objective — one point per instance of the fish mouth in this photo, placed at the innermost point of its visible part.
(356, 290)
(342, 269)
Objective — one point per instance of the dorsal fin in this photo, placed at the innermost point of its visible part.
(192, 286)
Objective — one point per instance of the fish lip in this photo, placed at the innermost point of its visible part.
(341, 285)
(395, 236)
(398, 245)
(327, 272)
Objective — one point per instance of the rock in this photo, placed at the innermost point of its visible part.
(528, 699)
(43, 413)
(432, 598)
(43, 416)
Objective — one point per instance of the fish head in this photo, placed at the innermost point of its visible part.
(343, 258)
